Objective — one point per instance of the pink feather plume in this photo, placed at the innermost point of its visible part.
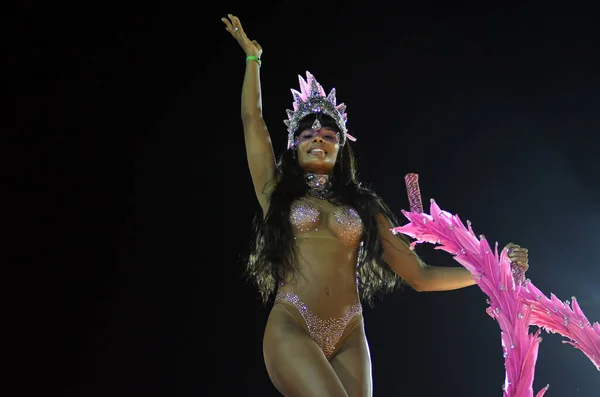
(514, 303)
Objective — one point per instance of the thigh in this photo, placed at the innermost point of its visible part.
(352, 364)
(295, 363)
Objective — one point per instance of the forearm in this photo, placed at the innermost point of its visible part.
(445, 278)
(251, 92)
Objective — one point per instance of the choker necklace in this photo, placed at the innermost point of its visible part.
(319, 185)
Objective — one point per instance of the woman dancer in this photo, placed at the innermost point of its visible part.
(323, 242)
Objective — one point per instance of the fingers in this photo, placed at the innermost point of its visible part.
(228, 25)
(518, 255)
(512, 247)
(236, 22)
(233, 25)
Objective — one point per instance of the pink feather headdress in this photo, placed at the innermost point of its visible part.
(312, 99)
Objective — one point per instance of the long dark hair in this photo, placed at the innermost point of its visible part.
(272, 253)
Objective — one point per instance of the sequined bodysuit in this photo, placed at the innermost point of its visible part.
(345, 224)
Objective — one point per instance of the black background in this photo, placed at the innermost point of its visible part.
(133, 201)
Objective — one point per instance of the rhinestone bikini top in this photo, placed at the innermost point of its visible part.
(343, 222)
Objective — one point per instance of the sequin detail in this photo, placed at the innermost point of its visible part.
(325, 332)
(312, 99)
(319, 185)
(304, 216)
(344, 222)
(349, 225)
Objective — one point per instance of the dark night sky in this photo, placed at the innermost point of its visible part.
(133, 200)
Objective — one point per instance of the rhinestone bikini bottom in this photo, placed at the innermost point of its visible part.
(326, 332)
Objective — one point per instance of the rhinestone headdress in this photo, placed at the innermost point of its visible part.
(312, 99)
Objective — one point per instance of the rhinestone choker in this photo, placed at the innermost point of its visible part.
(319, 185)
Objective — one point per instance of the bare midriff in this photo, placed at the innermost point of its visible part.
(327, 239)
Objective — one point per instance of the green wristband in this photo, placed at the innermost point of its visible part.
(253, 58)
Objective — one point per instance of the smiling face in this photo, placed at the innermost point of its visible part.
(318, 149)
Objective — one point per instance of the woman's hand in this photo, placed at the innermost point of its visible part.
(518, 259)
(234, 27)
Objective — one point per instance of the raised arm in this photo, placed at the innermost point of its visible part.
(405, 263)
(259, 150)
